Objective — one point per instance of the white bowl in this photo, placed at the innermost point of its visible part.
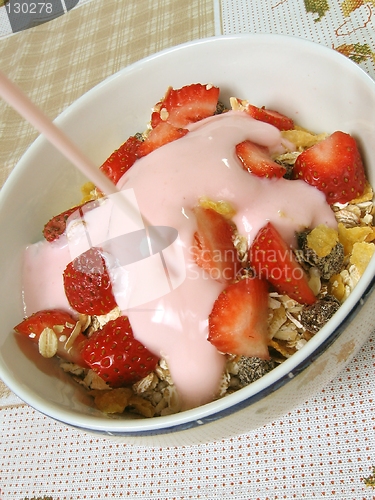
(319, 88)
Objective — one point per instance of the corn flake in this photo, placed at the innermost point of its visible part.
(361, 255)
(89, 192)
(351, 235)
(282, 347)
(302, 138)
(142, 406)
(322, 240)
(114, 400)
(222, 207)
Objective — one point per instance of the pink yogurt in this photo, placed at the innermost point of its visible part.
(167, 184)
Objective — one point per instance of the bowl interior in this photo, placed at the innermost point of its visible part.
(319, 88)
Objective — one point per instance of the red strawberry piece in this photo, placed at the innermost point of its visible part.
(334, 166)
(87, 284)
(159, 136)
(238, 323)
(273, 260)
(56, 226)
(121, 160)
(270, 116)
(213, 247)
(70, 340)
(188, 104)
(116, 356)
(256, 159)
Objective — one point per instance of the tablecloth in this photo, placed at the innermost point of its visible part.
(347, 26)
(322, 449)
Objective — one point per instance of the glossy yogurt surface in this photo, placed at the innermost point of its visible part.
(167, 297)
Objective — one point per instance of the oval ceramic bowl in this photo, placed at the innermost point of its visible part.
(319, 88)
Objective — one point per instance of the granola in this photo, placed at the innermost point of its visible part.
(334, 261)
(291, 325)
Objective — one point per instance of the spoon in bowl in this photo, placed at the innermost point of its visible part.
(16, 98)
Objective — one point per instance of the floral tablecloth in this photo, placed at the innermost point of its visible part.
(324, 448)
(347, 26)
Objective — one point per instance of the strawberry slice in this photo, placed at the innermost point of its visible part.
(238, 323)
(162, 134)
(270, 116)
(188, 104)
(56, 226)
(334, 166)
(116, 356)
(121, 160)
(274, 261)
(70, 341)
(213, 247)
(87, 284)
(256, 160)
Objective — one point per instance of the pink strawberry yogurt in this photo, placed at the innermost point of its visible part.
(167, 184)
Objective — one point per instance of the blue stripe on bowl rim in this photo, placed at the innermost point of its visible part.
(254, 398)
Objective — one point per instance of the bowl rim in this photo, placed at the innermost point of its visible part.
(258, 389)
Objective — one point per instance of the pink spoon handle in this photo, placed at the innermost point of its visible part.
(14, 96)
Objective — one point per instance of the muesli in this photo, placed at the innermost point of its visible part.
(273, 228)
